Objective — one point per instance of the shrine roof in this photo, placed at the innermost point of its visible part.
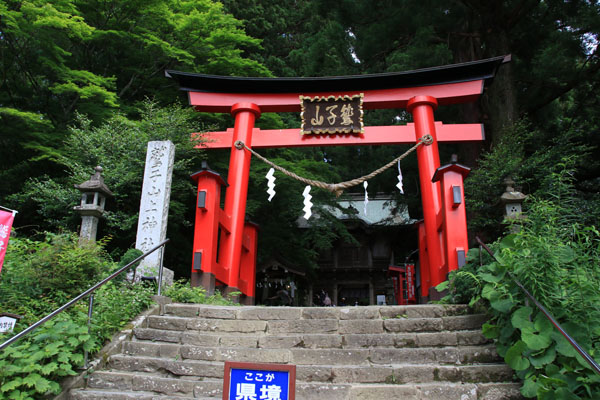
(453, 73)
(381, 210)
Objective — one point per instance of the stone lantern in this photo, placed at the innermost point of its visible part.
(512, 200)
(93, 199)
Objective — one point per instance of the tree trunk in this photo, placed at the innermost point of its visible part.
(499, 103)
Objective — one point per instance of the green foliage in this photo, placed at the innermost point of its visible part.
(119, 145)
(39, 276)
(555, 257)
(182, 292)
(61, 58)
(117, 303)
(463, 285)
(542, 164)
(128, 257)
(91, 58)
(485, 185)
(32, 368)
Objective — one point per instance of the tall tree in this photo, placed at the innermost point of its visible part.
(91, 57)
(540, 104)
(119, 145)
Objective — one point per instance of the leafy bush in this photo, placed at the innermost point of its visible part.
(30, 369)
(182, 292)
(40, 276)
(116, 304)
(128, 257)
(556, 258)
(464, 285)
(541, 166)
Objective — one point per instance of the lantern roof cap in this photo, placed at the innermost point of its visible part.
(511, 195)
(206, 171)
(452, 166)
(453, 73)
(95, 184)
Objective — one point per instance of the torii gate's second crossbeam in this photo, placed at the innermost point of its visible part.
(225, 246)
(374, 135)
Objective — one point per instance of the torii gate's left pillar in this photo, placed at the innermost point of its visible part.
(224, 244)
(237, 193)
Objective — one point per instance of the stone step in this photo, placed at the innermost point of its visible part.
(420, 352)
(78, 394)
(429, 391)
(150, 383)
(204, 369)
(113, 385)
(322, 326)
(303, 356)
(174, 351)
(294, 313)
(405, 373)
(314, 340)
(393, 373)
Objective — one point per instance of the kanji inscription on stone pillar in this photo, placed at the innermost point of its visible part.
(154, 205)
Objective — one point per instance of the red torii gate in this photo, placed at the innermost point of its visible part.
(225, 246)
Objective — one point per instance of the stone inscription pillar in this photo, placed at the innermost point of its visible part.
(154, 205)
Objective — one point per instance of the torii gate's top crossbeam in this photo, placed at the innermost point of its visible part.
(450, 84)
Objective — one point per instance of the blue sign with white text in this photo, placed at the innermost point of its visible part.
(252, 384)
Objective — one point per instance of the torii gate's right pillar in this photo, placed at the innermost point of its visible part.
(421, 108)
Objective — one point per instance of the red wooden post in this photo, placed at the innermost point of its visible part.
(235, 200)
(247, 282)
(411, 291)
(423, 260)
(454, 217)
(206, 228)
(428, 158)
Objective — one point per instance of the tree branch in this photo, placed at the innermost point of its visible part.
(522, 9)
(559, 90)
(127, 86)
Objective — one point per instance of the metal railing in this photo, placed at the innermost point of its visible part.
(90, 292)
(544, 311)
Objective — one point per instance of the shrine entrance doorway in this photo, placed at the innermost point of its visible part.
(225, 244)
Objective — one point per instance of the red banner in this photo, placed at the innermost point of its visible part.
(6, 221)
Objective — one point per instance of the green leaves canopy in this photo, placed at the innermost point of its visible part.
(63, 57)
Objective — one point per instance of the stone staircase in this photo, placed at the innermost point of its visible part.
(378, 352)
